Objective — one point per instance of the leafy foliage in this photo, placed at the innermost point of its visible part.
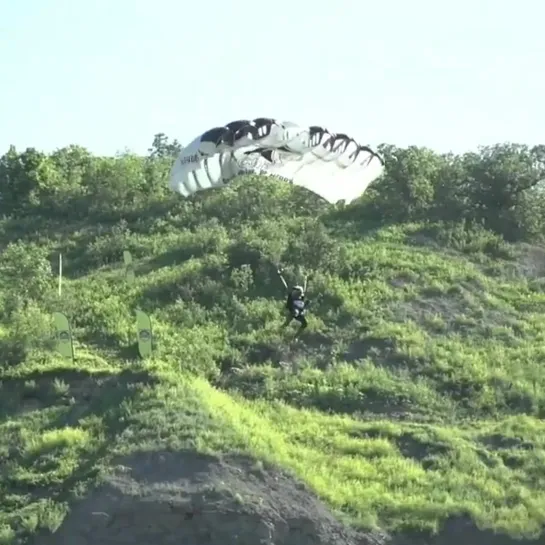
(406, 402)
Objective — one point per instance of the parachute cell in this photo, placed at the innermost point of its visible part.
(334, 166)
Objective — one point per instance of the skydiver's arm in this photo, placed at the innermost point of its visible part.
(279, 271)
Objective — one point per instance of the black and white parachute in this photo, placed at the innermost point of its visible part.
(334, 166)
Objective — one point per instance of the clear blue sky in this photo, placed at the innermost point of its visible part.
(109, 74)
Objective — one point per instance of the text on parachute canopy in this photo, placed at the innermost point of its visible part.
(265, 173)
(189, 159)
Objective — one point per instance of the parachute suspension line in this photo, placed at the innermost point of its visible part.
(234, 164)
(196, 181)
(207, 171)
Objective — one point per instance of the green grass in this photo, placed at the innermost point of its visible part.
(417, 393)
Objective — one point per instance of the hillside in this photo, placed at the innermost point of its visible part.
(410, 412)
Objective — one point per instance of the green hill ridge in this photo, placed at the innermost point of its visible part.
(410, 411)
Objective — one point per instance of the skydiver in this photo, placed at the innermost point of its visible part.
(296, 304)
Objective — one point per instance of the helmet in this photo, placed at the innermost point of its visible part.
(299, 289)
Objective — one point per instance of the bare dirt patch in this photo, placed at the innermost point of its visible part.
(191, 499)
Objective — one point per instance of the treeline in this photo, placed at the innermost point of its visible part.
(500, 187)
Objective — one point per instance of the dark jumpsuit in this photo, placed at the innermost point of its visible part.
(296, 309)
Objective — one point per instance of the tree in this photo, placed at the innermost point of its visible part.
(163, 147)
(407, 189)
(26, 269)
(22, 175)
(501, 179)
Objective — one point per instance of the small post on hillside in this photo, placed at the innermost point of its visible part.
(60, 275)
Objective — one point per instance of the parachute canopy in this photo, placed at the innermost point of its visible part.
(334, 166)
